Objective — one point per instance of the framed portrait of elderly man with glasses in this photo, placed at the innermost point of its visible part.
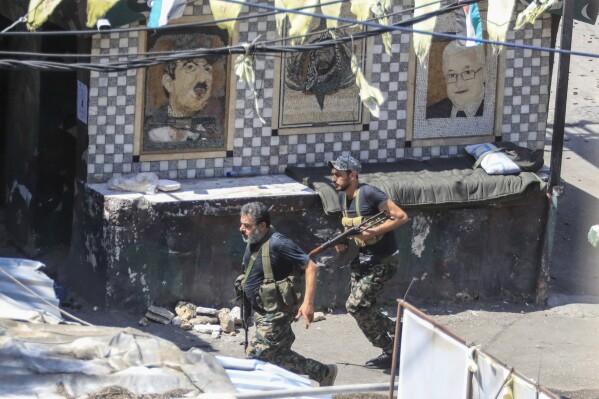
(182, 104)
(457, 97)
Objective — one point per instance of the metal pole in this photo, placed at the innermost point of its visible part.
(396, 344)
(290, 393)
(561, 95)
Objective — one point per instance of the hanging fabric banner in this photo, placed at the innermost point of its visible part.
(224, 10)
(39, 11)
(299, 23)
(584, 10)
(498, 20)
(361, 9)
(422, 42)
(381, 10)
(244, 69)
(164, 11)
(370, 96)
(96, 9)
(532, 13)
(332, 10)
(469, 24)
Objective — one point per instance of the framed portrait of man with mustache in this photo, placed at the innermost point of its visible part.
(184, 102)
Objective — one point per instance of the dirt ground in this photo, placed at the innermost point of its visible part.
(554, 346)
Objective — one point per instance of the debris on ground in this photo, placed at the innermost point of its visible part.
(318, 316)
(159, 314)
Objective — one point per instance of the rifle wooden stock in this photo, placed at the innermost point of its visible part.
(352, 231)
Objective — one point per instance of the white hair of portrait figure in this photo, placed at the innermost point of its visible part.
(464, 70)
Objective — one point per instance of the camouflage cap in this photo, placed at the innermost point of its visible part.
(347, 163)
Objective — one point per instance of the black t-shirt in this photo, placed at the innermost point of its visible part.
(371, 201)
(285, 255)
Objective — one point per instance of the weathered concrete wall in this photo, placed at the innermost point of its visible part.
(22, 125)
(39, 151)
(150, 252)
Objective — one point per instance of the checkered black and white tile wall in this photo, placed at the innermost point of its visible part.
(112, 111)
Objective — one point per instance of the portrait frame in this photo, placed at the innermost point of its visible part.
(337, 107)
(426, 86)
(208, 131)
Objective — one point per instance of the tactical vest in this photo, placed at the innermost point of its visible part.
(274, 296)
(348, 222)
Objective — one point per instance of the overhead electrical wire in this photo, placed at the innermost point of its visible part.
(211, 22)
(262, 48)
(178, 26)
(398, 27)
(195, 53)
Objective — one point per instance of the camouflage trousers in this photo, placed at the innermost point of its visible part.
(272, 343)
(368, 278)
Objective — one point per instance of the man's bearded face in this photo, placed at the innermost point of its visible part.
(249, 230)
(324, 59)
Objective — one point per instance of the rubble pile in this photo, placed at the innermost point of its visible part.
(200, 319)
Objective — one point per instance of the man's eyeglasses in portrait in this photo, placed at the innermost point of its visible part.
(469, 74)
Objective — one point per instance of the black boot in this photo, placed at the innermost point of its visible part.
(383, 361)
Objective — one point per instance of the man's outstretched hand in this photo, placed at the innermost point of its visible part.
(307, 311)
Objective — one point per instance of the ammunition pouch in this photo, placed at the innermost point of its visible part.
(348, 222)
(274, 296)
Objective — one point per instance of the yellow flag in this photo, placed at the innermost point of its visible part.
(280, 16)
(370, 96)
(39, 11)
(422, 42)
(498, 20)
(331, 10)
(381, 10)
(244, 69)
(299, 24)
(361, 9)
(97, 9)
(224, 10)
(532, 12)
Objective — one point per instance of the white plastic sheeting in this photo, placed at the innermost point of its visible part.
(18, 303)
(249, 375)
(34, 358)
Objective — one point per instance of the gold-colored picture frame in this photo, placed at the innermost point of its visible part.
(185, 108)
(457, 96)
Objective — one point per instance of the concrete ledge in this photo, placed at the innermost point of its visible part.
(134, 250)
(246, 188)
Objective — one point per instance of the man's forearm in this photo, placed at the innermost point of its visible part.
(311, 279)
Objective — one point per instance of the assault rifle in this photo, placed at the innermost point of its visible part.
(245, 315)
(373, 221)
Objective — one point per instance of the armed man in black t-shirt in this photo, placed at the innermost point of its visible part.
(272, 266)
(378, 257)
